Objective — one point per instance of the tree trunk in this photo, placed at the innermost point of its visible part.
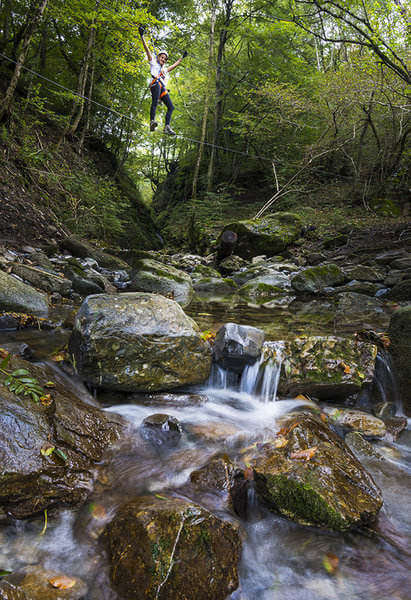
(32, 26)
(79, 101)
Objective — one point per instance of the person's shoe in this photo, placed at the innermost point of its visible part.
(153, 125)
(167, 129)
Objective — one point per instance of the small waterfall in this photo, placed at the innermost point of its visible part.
(261, 379)
(386, 382)
(222, 379)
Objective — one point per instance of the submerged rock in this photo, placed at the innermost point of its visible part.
(138, 342)
(170, 548)
(153, 276)
(163, 431)
(269, 235)
(310, 476)
(20, 297)
(49, 449)
(37, 583)
(236, 346)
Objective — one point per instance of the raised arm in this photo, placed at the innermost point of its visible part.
(171, 67)
(146, 48)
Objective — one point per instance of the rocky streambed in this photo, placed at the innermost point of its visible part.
(178, 426)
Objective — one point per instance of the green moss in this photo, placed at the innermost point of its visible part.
(301, 502)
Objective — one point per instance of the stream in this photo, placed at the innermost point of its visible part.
(280, 559)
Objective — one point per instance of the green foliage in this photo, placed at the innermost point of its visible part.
(20, 381)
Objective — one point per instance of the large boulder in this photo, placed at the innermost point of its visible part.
(153, 276)
(356, 420)
(400, 350)
(236, 346)
(401, 291)
(313, 280)
(164, 547)
(49, 449)
(269, 235)
(138, 342)
(46, 281)
(327, 367)
(20, 297)
(309, 475)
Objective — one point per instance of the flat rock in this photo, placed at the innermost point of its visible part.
(20, 297)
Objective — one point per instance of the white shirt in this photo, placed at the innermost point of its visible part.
(156, 69)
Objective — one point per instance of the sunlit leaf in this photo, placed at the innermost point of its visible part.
(46, 400)
(50, 384)
(330, 563)
(47, 450)
(305, 454)
(62, 582)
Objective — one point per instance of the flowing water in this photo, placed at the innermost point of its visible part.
(280, 560)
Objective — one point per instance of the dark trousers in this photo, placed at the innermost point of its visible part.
(156, 91)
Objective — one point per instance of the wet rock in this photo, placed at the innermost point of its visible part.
(203, 272)
(360, 446)
(31, 481)
(163, 431)
(395, 426)
(325, 487)
(356, 420)
(360, 287)
(138, 342)
(10, 591)
(48, 282)
(42, 260)
(354, 308)
(236, 346)
(153, 276)
(34, 582)
(269, 235)
(269, 285)
(388, 257)
(313, 280)
(231, 264)
(401, 291)
(384, 410)
(213, 286)
(173, 549)
(363, 273)
(400, 351)
(82, 285)
(212, 431)
(327, 367)
(20, 297)
(216, 476)
(84, 249)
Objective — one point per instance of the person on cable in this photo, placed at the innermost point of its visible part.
(160, 74)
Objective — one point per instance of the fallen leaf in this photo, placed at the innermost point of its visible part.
(98, 511)
(287, 430)
(345, 367)
(385, 340)
(47, 450)
(62, 582)
(302, 397)
(323, 417)
(59, 357)
(4, 353)
(280, 442)
(330, 563)
(46, 399)
(50, 384)
(305, 454)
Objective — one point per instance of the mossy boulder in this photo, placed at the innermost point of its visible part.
(204, 271)
(170, 548)
(138, 342)
(153, 276)
(83, 249)
(46, 281)
(268, 286)
(363, 273)
(313, 280)
(400, 350)
(367, 288)
(31, 481)
(20, 297)
(214, 286)
(401, 291)
(269, 235)
(324, 487)
(327, 367)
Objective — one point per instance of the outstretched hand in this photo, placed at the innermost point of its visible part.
(141, 30)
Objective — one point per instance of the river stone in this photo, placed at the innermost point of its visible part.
(34, 582)
(401, 291)
(204, 272)
(138, 342)
(153, 276)
(215, 476)
(20, 297)
(10, 591)
(355, 308)
(327, 367)
(236, 346)
(83, 285)
(330, 490)
(269, 235)
(170, 548)
(363, 273)
(360, 287)
(400, 350)
(31, 482)
(84, 249)
(388, 257)
(48, 282)
(161, 430)
(214, 286)
(395, 426)
(230, 264)
(356, 420)
(402, 263)
(313, 280)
